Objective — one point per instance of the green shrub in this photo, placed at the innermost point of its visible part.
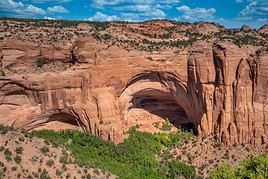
(44, 149)
(19, 150)
(255, 167)
(2, 148)
(5, 129)
(64, 157)
(179, 169)
(17, 159)
(58, 172)
(40, 62)
(225, 171)
(134, 158)
(44, 174)
(8, 154)
(50, 163)
(166, 126)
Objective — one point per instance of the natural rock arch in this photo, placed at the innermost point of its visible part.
(160, 94)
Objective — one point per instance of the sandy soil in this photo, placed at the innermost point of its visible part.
(24, 157)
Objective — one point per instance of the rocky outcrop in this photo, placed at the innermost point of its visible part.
(17, 57)
(263, 29)
(214, 87)
(237, 117)
(17, 53)
(246, 28)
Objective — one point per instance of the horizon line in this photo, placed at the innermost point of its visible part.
(123, 21)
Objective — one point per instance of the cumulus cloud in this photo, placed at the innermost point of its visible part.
(136, 10)
(11, 4)
(255, 8)
(163, 6)
(133, 17)
(139, 12)
(157, 13)
(265, 20)
(131, 8)
(45, 1)
(50, 18)
(101, 3)
(34, 10)
(196, 14)
(19, 9)
(239, 1)
(103, 17)
(57, 9)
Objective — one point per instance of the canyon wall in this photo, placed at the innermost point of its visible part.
(217, 87)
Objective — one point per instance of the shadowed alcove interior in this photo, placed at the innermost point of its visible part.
(149, 98)
(58, 121)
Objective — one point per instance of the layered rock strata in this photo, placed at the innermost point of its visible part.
(216, 87)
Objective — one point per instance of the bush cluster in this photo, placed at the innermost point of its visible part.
(134, 158)
(255, 167)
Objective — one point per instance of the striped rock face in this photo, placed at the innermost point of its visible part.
(210, 87)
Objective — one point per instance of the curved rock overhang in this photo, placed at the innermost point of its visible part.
(162, 95)
(55, 120)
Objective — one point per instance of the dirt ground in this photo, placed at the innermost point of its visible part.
(208, 153)
(24, 157)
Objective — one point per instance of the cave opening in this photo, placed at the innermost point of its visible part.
(64, 118)
(60, 121)
(150, 105)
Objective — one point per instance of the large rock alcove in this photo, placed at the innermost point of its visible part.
(57, 121)
(154, 97)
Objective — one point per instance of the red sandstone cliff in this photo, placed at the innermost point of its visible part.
(104, 87)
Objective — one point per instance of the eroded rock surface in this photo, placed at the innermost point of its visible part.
(215, 87)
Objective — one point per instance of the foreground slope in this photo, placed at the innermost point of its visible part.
(72, 154)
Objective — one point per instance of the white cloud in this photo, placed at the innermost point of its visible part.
(156, 13)
(19, 9)
(45, 1)
(49, 18)
(170, 1)
(255, 8)
(135, 8)
(196, 14)
(103, 17)
(183, 8)
(101, 3)
(163, 6)
(132, 17)
(57, 9)
(11, 4)
(34, 10)
(265, 20)
(23, 10)
(239, 1)
(145, 10)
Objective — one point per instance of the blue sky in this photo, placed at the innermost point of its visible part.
(230, 13)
